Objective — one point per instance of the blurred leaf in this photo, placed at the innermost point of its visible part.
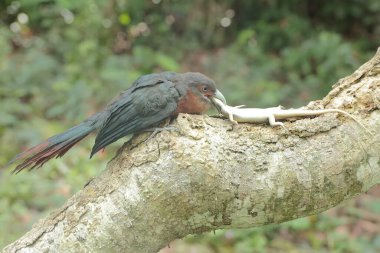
(166, 62)
(124, 19)
(374, 206)
(299, 224)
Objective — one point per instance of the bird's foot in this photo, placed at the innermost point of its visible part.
(156, 130)
(160, 129)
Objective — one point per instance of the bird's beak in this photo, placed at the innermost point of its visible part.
(220, 96)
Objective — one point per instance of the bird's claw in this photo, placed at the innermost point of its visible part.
(157, 130)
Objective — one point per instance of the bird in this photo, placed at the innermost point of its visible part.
(150, 100)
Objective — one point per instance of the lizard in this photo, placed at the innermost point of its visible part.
(271, 115)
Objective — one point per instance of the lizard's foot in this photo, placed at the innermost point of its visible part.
(234, 122)
(285, 128)
(273, 122)
(278, 124)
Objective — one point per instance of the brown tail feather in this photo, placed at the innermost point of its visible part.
(40, 156)
(55, 146)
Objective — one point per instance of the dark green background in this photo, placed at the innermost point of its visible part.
(60, 61)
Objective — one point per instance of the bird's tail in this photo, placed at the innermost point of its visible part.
(56, 146)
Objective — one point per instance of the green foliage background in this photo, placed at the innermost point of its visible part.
(62, 60)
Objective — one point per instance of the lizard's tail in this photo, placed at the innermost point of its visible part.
(349, 116)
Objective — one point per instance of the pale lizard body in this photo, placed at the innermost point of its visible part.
(257, 115)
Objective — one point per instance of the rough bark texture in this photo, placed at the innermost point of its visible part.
(211, 176)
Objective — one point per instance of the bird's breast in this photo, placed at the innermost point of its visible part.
(191, 103)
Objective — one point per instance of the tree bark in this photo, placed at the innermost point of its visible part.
(213, 176)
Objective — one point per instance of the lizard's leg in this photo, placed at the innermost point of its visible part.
(231, 118)
(273, 122)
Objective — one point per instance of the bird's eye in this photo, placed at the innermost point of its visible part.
(205, 88)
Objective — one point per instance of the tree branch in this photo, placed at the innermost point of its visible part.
(212, 176)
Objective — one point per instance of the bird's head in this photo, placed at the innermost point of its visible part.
(203, 87)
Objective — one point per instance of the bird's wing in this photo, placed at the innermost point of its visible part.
(138, 108)
(152, 79)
